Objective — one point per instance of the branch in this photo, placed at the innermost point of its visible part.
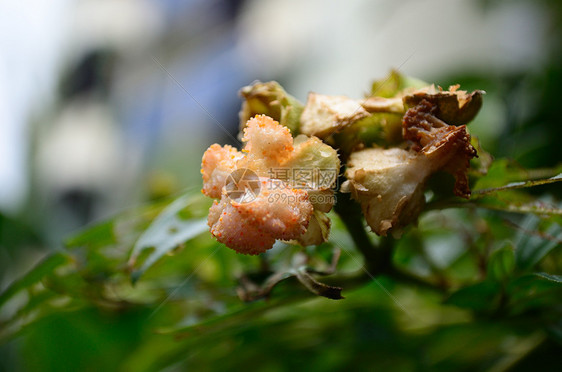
(378, 258)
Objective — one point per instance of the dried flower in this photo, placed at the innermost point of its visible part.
(393, 141)
(325, 115)
(446, 146)
(389, 183)
(454, 106)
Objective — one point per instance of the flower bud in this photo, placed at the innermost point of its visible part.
(270, 99)
(395, 85)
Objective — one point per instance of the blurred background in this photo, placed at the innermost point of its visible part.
(105, 104)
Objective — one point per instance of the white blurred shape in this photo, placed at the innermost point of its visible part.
(125, 25)
(81, 150)
(337, 47)
(31, 33)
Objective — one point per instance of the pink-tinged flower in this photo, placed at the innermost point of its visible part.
(218, 162)
(253, 227)
(256, 209)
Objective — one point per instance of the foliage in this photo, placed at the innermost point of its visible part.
(476, 285)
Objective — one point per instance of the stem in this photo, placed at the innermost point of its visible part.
(413, 279)
(378, 259)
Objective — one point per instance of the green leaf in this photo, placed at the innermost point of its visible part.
(532, 245)
(479, 297)
(237, 315)
(508, 201)
(551, 277)
(100, 234)
(167, 231)
(26, 300)
(393, 84)
(501, 263)
(499, 188)
(518, 185)
(45, 267)
(502, 172)
(534, 291)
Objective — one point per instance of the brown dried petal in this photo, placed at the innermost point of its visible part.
(454, 106)
(446, 146)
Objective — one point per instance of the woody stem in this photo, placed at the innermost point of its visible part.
(378, 258)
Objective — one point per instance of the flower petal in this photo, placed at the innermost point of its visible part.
(218, 162)
(229, 227)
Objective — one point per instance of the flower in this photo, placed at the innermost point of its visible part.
(392, 141)
(389, 183)
(262, 198)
